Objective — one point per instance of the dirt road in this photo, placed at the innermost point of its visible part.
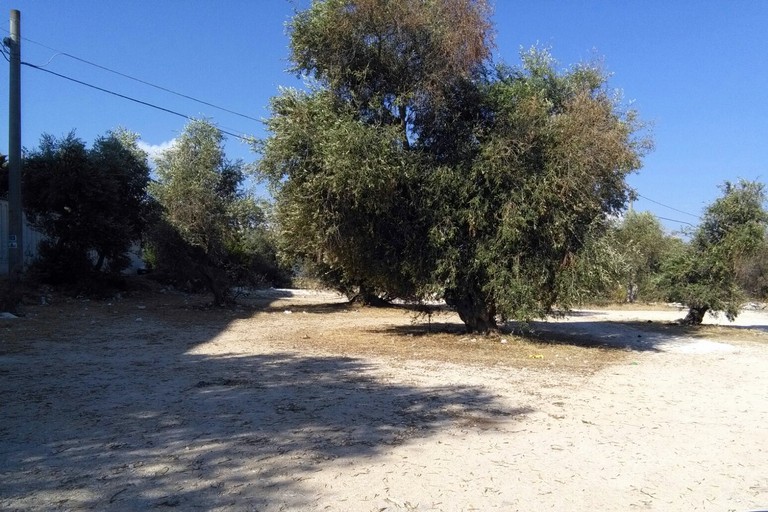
(295, 402)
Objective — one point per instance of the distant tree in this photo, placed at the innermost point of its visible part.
(210, 230)
(752, 273)
(704, 276)
(641, 240)
(598, 272)
(90, 203)
(413, 169)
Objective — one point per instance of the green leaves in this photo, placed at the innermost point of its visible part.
(86, 200)
(704, 277)
(340, 185)
(412, 169)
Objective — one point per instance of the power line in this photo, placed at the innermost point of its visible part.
(139, 80)
(675, 220)
(123, 96)
(667, 206)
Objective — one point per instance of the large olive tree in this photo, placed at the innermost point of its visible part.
(414, 167)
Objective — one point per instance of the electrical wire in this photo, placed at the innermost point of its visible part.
(667, 206)
(139, 80)
(675, 220)
(123, 96)
(4, 52)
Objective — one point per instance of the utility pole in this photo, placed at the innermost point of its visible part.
(15, 231)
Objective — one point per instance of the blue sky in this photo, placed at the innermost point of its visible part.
(696, 70)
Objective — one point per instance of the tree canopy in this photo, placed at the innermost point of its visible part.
(86, 200)
(640, 240)
(415, 167)
(704, 277)
(210, 228)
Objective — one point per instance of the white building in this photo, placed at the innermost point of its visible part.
(31, 239)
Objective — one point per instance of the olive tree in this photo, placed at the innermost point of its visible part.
(704, 277)
(642, 242)
(210, 229)
(87, 201)
(414, 167)
(553, 153)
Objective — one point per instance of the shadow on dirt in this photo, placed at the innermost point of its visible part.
(601, 334)
(137, 421)
(323, 308)
(605, 335)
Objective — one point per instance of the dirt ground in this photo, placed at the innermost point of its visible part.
(296, 401)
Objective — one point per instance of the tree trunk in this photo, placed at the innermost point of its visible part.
(695, 315)
(631, 293)
(217, 282)
(100, 262)
(367, 297)
(477, 315)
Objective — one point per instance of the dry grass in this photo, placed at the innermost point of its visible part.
(314, 325)
(318, 323)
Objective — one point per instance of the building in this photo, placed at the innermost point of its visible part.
(31, 239)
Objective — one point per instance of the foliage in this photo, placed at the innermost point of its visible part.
(413, 168)
(704, 277)
(349, 188)
(211, 233)
(389, 60)
(642, 243)
(752, 273)
(550, 165)
(90, 203)
(596, 275)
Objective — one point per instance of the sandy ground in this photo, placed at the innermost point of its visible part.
(139, 403)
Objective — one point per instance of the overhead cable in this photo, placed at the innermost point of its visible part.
(675, 220)
(139, 80)
(123, 96)
(667, 206)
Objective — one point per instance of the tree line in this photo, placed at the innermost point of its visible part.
(196, 225)
(412, 166)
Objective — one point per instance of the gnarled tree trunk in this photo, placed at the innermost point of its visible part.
(474, 311)
(695, 315)
(367, 297)
(217, 282)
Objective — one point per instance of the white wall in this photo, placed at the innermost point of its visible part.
(31, 239)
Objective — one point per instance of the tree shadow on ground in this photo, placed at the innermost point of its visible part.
(323, 308)
(680, 329)
(600, 334)
(136, 421)
(607, 335)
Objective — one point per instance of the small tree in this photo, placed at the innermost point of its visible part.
(641, 240)
(90, 203)
(210, 229)
(704, 276)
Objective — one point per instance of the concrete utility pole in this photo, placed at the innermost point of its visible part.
(15, 231)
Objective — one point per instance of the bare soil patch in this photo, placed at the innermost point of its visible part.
(296, 401)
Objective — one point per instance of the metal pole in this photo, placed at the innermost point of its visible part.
(15, 232)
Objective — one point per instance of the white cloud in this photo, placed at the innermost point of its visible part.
(154, 150)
